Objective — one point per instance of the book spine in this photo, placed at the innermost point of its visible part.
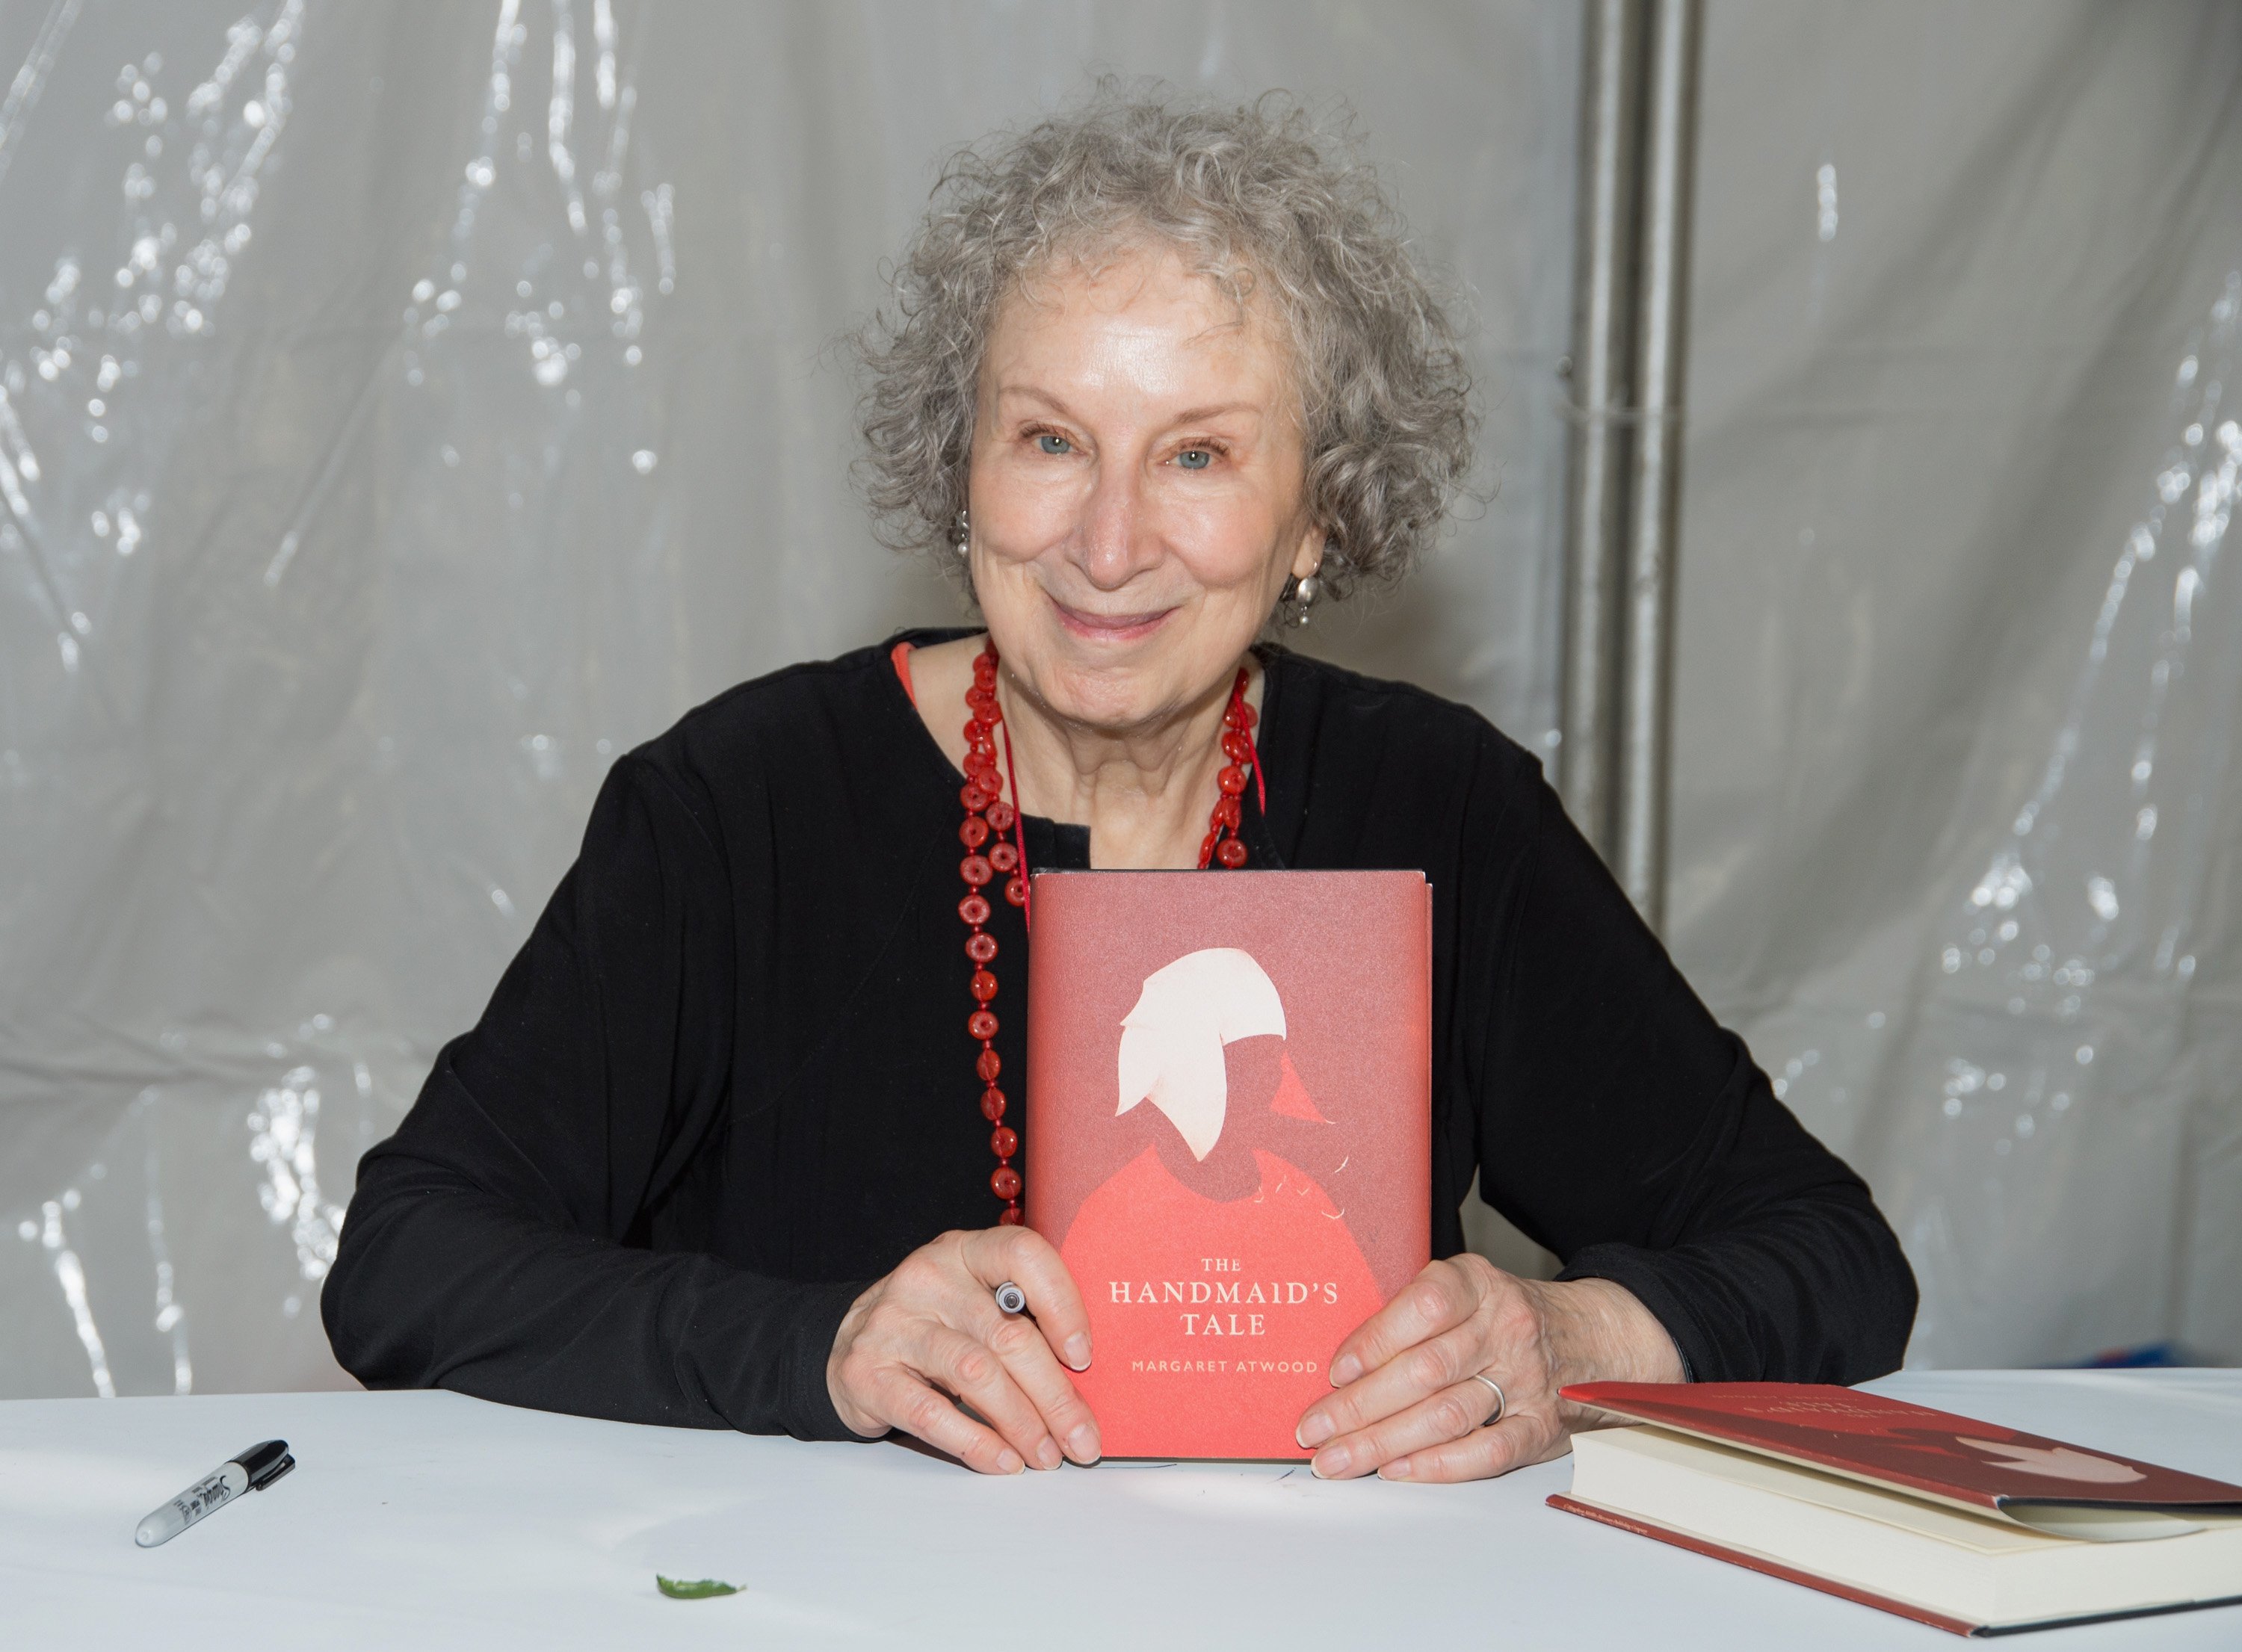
(1770, 1567)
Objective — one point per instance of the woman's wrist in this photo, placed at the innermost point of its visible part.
(1598, 1331)
(858, 1421)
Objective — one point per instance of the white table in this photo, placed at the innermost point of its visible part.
(427, 1521)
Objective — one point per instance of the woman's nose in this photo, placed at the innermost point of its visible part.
(1116, 540)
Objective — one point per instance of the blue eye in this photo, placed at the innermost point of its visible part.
(1194, 459)
(1055, 445)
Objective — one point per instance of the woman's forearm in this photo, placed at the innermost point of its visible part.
(443, 1284)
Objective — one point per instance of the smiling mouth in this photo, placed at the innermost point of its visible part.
(1109, 627)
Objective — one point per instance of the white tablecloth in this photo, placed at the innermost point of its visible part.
(428, 1520)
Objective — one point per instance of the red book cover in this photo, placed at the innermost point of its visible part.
(1980, 1466)
(1229, 1135)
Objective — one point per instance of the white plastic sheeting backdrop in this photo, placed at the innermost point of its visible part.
(409, 408)
(1958, 833)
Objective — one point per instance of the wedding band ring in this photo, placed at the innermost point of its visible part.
(1501, 1405)
(1013, 1300)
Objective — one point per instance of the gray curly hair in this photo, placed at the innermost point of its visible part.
(1259, 198)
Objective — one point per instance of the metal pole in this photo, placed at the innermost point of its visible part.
(1600, 402)
(1653, 505)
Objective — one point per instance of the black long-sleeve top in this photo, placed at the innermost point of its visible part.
(726, 1083)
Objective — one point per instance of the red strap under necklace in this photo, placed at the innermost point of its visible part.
(988, 817)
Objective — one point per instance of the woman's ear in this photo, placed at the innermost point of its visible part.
(1310, 555)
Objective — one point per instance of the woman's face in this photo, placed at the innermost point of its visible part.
(1136, 488)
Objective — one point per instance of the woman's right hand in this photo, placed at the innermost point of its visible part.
(930, 1333)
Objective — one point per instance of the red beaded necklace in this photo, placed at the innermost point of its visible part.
(989, 816)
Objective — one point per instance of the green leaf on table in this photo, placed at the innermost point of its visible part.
(706, 1589)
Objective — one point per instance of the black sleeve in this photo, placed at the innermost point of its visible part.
(1621, 1126)
(494, 1244)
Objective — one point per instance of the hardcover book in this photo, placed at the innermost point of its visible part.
(1966, 1526)
(1229, 1135)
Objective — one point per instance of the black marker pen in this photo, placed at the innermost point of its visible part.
(253, 1470)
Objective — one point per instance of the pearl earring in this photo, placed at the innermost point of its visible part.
(1302, 597)
(960, 534)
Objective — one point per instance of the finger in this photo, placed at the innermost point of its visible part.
(1024, 1256)
(1455, 1411)
(1407, 1379)
(970, 1368)
(1027, 1358)
(1442, 1297)
(1512, 1443)
(901, 1400)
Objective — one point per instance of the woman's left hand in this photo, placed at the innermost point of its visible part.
(1409, 1407)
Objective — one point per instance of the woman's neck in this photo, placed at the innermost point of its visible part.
(1144, 792)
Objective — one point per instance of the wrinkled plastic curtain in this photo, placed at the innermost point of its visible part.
(410, 407)
(1958, 827)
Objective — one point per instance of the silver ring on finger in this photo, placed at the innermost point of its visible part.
(1012, 1300)
(1501, 1405)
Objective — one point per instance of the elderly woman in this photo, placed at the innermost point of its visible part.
(719, 1152)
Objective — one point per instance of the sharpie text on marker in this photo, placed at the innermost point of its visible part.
(251, 1470)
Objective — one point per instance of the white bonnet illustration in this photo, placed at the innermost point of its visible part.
(1172, 1041)
(2056, 1462)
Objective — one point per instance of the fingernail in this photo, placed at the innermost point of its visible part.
(1398, 1469)
(1047, 1452)
(1315, 1429)
(1084, 1443)
(1078, 1350)
(1329, 1464)
(1345, 1369)
(1007, 1461)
